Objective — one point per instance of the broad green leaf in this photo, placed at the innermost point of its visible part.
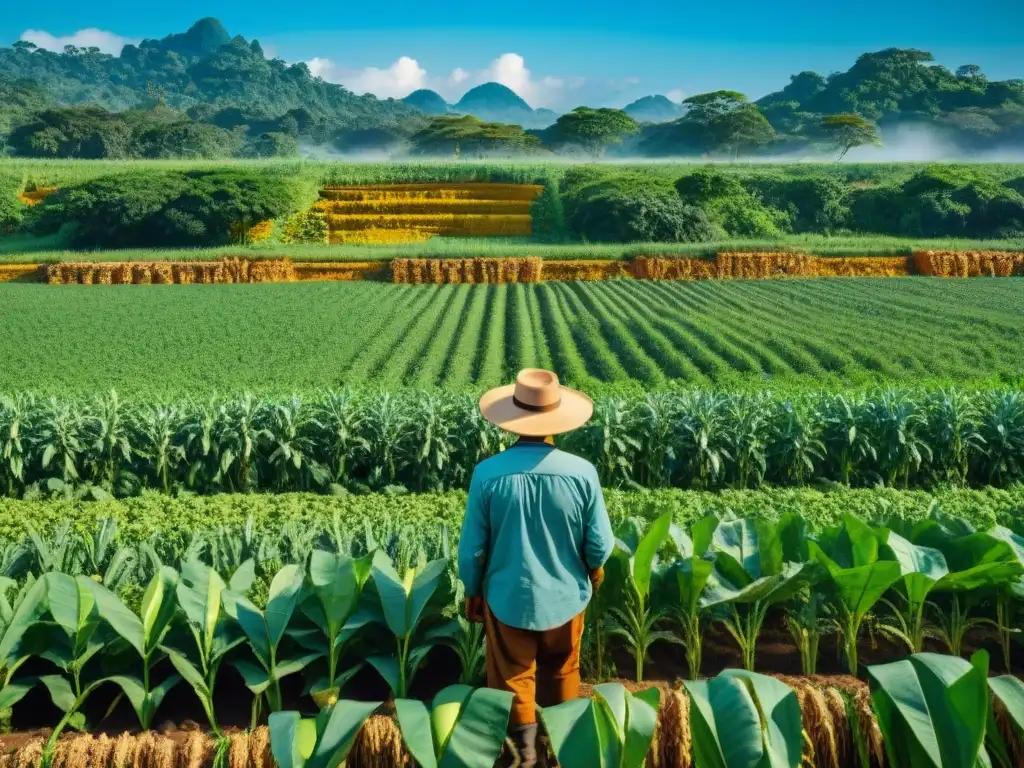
(744, 720)
(738, 540)
(414, 723)
(27, 613)
(1009, 691)
(241, 580)
(581, 734)
(157, 606)
(60, 692)
(14, 692)
(191, 675)
(286, 746)
(387, 666)
(445, 710)
(642, 561)
(634, 719)
(342, 724)
(337, 581)
(71, 603)
(158, 692)
(200, 594)
(692, 575)
(256, 678)
(284, 595)
(931, 709)
(479, 732)
(285, 667)
(116, 614)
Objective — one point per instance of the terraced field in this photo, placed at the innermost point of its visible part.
(166, 341)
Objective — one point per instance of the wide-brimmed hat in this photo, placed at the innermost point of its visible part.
(536, 405)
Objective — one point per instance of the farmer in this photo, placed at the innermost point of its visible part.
(534, 542)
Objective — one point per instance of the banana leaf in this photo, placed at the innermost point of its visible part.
(1008, 691)
(742, 719)
(323, 742)
(614, 729)
(932, 710)
(465, 728)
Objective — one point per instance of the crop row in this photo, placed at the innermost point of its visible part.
(782, 334)
(333, 613)
(340, 440)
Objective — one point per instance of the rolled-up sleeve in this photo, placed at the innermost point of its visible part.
(598, 541)
(474, 540)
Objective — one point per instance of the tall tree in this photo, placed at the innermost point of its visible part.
(741, 129)
(704, 107)
(595, 130)
(846, 131)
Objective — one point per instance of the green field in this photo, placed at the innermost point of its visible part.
(167, 341)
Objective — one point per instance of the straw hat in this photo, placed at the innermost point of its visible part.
(536, 405)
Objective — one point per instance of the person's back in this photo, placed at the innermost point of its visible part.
(546, 530)
(534, 540)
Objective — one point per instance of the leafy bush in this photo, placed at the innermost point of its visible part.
(812, 203)
(729, 204)
(194, 208)
(630, 207)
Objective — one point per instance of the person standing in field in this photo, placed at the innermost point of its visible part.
(534, 543)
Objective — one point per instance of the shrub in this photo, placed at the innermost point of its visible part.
(196, 208)
(817, 203)
(654, 216)
(306, 227)
(728, 204)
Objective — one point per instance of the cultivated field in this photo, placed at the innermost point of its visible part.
(167, 341)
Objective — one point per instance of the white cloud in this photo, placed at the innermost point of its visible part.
(400, 79)
(676, 94)
(406, 75)
(107, 42)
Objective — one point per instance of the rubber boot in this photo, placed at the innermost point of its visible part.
(526, 745)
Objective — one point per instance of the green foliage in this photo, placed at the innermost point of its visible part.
(729, 204)
(465, 727)
(593, 130)
(468, 136)
(614, 729)
(192, 208)
(607, 207)
(425, 441)
(741, 718)
(846, 131)
(932, 710)
(307, 227)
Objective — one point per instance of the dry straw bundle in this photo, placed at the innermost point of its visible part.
(969, 263)
(558, 269)
(439, 271)
(228, 270)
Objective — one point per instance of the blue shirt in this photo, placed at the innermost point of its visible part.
(535, 526)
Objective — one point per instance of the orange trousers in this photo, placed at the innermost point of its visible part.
(538, 667)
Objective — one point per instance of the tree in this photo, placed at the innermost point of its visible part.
(457, 135)
(846, 131)
(704, 107)
(743, 128)
(595, 130)
(970, 71)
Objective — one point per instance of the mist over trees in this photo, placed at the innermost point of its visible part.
(206, 94)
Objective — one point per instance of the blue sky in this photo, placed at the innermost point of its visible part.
(560, 53)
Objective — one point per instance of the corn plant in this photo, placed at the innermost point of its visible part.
(613, 729)
(200, 594)
(79, 608)
(109, 443)
(692, 572)
(635, 621)
(464, 728)
(952, 432)
(1001, 428)
(336, 583)
(13, 449)
(16, 618)
(858, 576)
(758, 564)
(403, 601)
(265, 631)
(145, 633)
